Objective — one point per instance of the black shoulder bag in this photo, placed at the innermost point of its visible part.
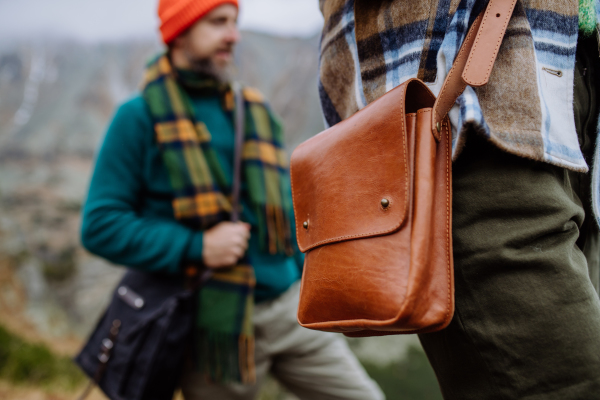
(138, 349)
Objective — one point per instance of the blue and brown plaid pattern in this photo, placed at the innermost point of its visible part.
(368, 47)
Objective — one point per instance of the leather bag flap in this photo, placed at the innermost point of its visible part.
(341, 176)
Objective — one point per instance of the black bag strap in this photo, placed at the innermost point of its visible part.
(103, 357)
(239, 144)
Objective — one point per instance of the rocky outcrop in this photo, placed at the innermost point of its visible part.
(56, 98)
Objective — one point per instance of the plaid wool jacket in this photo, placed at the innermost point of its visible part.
(369, 47)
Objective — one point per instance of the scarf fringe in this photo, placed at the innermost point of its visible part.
(278, 231)
(217, 359)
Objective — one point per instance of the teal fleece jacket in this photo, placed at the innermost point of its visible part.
(128, 218)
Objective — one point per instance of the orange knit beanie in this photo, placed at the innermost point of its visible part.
(178, 15)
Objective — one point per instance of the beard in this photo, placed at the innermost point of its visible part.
(207, 66)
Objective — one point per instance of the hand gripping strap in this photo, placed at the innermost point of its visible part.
(475, 59)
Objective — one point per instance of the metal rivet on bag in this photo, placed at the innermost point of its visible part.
(305, 224)
(139, 303)
(107, 343)
(122, 291)
(385, 203)
(438, 126)
(115, 327)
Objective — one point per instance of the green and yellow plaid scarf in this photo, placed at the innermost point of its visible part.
(224, 334)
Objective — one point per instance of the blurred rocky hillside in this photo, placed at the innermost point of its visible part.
(56, 98)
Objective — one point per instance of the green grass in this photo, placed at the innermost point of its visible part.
(35, 364)
(59, 267)
(411, 378)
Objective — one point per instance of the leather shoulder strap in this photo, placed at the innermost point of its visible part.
(475, 59)
(487, 43)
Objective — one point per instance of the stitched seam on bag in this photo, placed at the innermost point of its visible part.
(405, 153)
(446, 319)
(293, 202)
(449, 301)
(436, 113)
(347, 237)
(448, 232)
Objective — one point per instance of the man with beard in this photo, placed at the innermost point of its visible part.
(159, 202)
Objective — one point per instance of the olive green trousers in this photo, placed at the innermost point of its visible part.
(526, 260)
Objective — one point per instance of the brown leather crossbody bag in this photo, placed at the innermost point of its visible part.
(373, 203)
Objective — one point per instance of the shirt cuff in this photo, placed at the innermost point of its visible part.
(299, 258)
(194, 250)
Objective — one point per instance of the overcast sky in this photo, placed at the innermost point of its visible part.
(92, 20)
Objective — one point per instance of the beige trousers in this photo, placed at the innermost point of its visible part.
(312, 365)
